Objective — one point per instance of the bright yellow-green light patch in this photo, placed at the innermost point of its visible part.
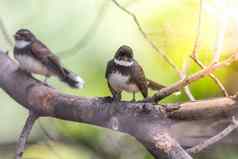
(59, 150)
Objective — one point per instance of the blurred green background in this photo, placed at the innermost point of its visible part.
(85, 35)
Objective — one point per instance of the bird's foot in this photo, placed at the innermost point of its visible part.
(133, 100)
(107, 99)
(111, 99)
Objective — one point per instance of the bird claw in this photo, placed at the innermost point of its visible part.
(109, 99)
(133, 100)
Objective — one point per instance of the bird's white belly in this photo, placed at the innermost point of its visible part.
(31, 65)
(119, 83)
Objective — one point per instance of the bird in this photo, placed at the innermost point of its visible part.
(34, 57)
(123, 73)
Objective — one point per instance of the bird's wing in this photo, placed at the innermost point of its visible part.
(46, 57)
(109, 68)
(138, 76)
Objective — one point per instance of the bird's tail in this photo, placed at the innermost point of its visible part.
(177, 152)
(71, 79)
(154, 85)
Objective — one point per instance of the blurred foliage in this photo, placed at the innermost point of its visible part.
(171, 24)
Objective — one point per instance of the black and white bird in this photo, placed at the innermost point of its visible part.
(123, 73)
(34, 57)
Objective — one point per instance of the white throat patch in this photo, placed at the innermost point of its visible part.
(123, 63)
(22, 44)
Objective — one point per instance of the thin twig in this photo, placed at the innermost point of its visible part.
(83, 42)
(164, 92)
(213, 77)
(198, 148)
(5, 33)
(183, 75)
(158, 50)
(194, 55)
(25, 134)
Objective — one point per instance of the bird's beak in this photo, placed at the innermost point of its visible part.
(17, 37)
(125, 59)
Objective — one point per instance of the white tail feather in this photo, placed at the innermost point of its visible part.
(80, 81)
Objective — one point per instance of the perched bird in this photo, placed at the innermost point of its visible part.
(123, 73)
(34, 57)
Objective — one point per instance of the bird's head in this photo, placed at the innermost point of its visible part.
(23, 38)
(124, 56)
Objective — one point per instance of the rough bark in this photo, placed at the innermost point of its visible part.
(148, 123)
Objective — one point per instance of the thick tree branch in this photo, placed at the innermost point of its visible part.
(131, 118)
(216, 108)
(150, 125)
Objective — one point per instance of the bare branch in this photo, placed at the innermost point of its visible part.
(143, 33)
(214, 139)
(83, 42)
(147, 123)
(183, 76)
(213, 77)
(205, 109)
(120, 116)
(25, 134)
(164, 92)
(194, 55)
